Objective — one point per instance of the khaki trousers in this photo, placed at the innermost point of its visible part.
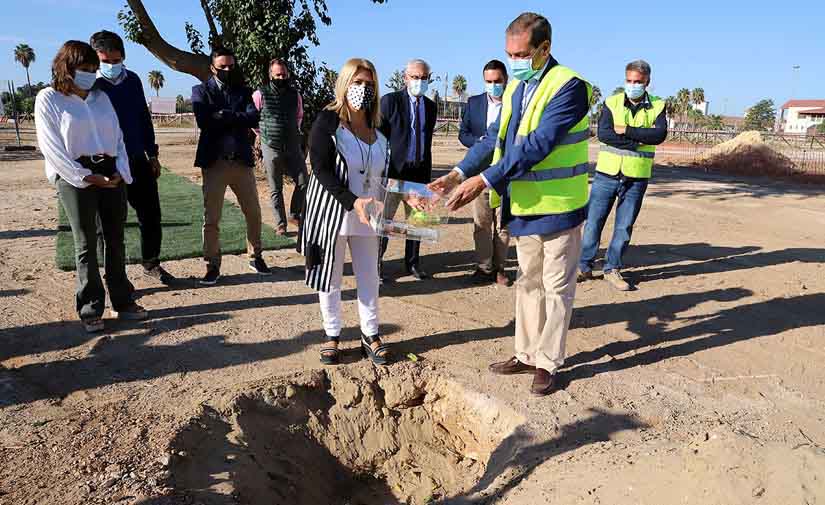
(492, 240)
(545, 290)
(241, 179)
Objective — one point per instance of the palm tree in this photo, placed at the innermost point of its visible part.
(671, 107)
(697, 96)
(156, 81)
(459, 85)
(683, 101)
(24, 55)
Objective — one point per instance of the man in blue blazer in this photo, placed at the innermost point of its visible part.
(408, 122)
(225, 113)
(492, 240)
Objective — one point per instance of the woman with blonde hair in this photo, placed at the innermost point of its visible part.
(347, 152)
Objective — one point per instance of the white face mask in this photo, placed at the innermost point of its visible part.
(360, 96)
(84, 80)
(417, 87)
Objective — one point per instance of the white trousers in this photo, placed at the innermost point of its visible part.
(364, 253)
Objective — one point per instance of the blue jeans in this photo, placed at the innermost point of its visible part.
(604, 191)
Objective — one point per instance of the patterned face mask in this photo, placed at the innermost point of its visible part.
(360, 96)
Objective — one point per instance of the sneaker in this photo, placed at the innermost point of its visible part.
(93, 325)
(159, 273)
(211, 277)
(133, 312)
(258, 265)
(614, 277)
(585, 276)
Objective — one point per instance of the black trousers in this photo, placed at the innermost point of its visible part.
(143, 197)
(92, 211)
(412, 252)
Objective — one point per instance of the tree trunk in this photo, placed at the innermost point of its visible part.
(193, 64)
(29, 80)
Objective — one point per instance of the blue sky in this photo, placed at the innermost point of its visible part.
(738, 51)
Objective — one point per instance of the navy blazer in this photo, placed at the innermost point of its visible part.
(238, 116)
(473, 120)
(395, 125)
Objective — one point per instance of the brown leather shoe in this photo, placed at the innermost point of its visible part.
(544, 383)
(511, 367)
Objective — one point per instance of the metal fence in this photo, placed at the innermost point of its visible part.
(803, 154)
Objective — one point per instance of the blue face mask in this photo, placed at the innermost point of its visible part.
(494, 89)
(417, 87)
(84, 80)
(634, 91)
(522, 69)
(111, 70)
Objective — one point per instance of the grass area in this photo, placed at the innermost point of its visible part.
(182, 204)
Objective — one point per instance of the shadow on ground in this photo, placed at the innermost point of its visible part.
(516, 458)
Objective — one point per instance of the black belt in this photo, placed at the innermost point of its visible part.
(99, 164)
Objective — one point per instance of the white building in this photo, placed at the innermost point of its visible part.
(703, 107)
(797, 116)
(162, 105)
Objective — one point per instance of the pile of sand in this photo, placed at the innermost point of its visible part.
(746, 154)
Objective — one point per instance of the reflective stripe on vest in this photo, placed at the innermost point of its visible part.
(625, 152)
(558, 183)
(638, 163)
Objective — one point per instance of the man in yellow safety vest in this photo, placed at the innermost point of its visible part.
(631, 125)
(538, 176)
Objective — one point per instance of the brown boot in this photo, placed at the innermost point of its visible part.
(544, 383)
(511, 367)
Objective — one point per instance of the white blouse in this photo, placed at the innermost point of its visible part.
(69, 127)
(363, 177)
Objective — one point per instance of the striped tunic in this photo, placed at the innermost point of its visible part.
(321, 226)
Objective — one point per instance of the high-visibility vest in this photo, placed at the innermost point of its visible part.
(638, 163)
(558, 183)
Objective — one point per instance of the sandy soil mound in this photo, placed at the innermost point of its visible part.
(746, 154)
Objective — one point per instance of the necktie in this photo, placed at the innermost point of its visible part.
(417, 126)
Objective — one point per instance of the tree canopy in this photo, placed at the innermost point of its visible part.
(396, 81)
(761, 116)
(256, 30)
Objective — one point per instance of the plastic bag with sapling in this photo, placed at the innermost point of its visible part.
(408, 210)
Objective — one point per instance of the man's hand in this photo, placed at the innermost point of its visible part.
(417, 202)
(446, 183)
(466, 192)
(620, 129)
(155, 164)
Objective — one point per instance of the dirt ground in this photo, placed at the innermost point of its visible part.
(703, 386)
